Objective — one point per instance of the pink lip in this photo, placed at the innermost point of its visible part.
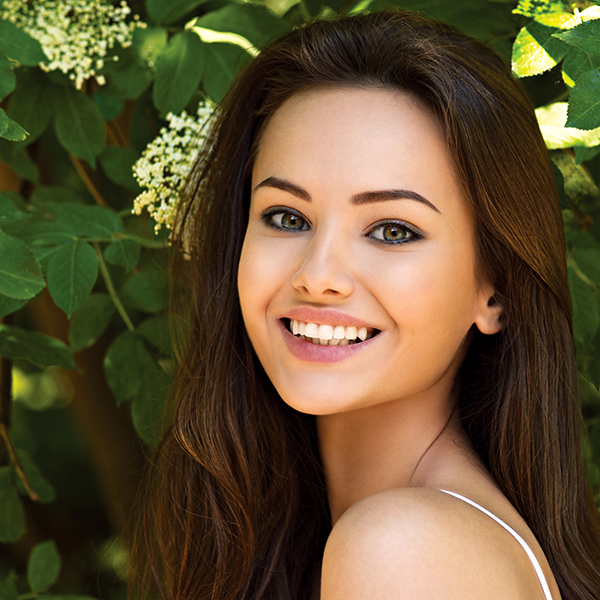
(309, 352)
(325, 316)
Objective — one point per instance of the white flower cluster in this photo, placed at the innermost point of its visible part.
(166, 162)
(76, 35)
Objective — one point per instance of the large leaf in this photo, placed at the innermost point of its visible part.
(147, 291)
(90, 321)
(32, 103)
(584, 105)
(552, 119)
(10, 130)
(169, 11)
(148, 405)
(576, 63)
(536, 50)
(223, 61)
(39, 349)
(43, 566)
(10, 305)
(16, 157)
(12, 515)
(79, 125)
(39, 232)
(17, 44)
(20, 273)
(586, 312)
(179, 69)
(586, 36)
(96, 222)
(72, 273)
(8, 79)
(117, 163)
(124, 365)
(125, 253)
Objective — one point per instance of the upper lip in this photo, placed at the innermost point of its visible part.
(325, 316)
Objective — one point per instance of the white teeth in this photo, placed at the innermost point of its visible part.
(329, 335)
(312, 330)
(325, 332)
(351, 332)
(339, 333)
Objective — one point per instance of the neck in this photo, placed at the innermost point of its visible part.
(383, 447)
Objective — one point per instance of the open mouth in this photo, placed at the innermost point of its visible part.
(329, 335)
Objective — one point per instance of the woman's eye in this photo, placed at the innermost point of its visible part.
(288, 221)
(394, 233)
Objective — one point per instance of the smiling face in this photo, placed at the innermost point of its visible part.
(358, 230)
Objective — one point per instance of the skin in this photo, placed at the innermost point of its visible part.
(388, 437)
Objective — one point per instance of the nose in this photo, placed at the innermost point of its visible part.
(325, 272)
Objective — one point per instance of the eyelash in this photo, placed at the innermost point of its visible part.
(414, 233)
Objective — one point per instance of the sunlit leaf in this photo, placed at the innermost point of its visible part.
(585, 36)
(584, 104)
(536, 51)
(552, 119)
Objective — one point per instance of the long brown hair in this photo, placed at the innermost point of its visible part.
(235, 504)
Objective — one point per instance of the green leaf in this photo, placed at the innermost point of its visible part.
(39, 349)
(38, 232)
(72, 273)
(10, 305)
(125, 253)
(43, 488)
(117, 163)
(588, 260)
(32, 103)
(577, 63)
(79, 125)
(18, 160)
(156, 331)
(584, 104)
(223, 61)
(20, 46)
(586, 312)
(147, 291)
(20, 273)
(252, 21)
(90, 321)
(130, 75)
(109, 101)
(586, 36)
(46, 196)
(96, 222)
(8, 79)
(8, 589)
(552, 119)
(124, 365)
(12, 514)
(536, 51)
(148, 405)
(169, 11)
(10, 130)
(43, 566)
(179, 69)
(583, 154)
(9, 211)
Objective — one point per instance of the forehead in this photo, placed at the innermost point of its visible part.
(344, 140)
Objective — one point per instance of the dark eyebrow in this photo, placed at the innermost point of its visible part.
(358, 199)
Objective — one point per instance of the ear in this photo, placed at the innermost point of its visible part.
(489, 318)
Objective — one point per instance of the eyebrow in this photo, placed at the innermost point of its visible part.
(358, 199)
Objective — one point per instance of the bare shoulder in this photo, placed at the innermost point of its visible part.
(421, 544)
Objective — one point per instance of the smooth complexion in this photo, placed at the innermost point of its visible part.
(357, 218)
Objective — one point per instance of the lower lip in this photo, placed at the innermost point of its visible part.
(315, 353)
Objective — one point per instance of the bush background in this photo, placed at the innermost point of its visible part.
(85, 357)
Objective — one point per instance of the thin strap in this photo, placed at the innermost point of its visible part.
(532, 558)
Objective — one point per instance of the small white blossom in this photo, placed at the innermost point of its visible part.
(166, 162)
(76, 35)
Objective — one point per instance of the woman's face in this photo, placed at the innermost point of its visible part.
(358, 227)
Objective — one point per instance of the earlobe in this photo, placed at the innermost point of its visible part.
(490, 317)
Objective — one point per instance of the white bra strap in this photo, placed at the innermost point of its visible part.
(532, 558)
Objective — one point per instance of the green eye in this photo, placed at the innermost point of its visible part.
(289, 221)
(394, 233)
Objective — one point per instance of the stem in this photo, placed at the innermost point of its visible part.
(111, 289)
(89, 184)
(28, 596)
(15, 461)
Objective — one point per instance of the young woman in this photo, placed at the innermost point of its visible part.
(377, 396)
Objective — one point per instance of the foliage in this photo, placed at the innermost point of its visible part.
(83, 281)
